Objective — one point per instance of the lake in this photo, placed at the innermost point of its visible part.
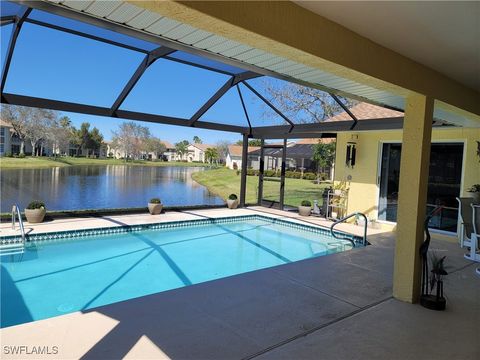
(96, 187)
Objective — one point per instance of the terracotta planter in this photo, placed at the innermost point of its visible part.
(35, 215)
(154, 208)
(476, 197)
(304, 210)
(232, 204)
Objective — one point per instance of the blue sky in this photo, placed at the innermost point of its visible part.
(61, 66)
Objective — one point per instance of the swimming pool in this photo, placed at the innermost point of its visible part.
(70, 271)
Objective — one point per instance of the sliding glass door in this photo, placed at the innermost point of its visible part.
(443, 183)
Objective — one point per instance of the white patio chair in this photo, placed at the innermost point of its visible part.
(465, 218)
(475, 236)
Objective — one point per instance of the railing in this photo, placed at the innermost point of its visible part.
(16, 211)
(346, 238)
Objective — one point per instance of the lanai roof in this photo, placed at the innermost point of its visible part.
(147, 45)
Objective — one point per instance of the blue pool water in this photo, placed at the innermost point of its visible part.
(54, 278)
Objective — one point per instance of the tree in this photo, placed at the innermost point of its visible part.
(211, 154)
(303, 104)
(197, 140)
(94, 141)
(222, 149)
(252, 142)
(323, 155)
(60, 135)
(156, 146)
(27, 123)
(182, 148)
(80, 137)
(131, 139)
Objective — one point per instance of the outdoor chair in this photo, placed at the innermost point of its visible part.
(475, 236)
(465, 217)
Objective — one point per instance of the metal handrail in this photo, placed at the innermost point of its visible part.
(346, 238)
(16, 210)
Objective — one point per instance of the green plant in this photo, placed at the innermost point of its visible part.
(309, 176)
(36, 204)
(21, 156)
(155, 201)
(474, 188)
(438, 270)
(306, 203)
(232, 197)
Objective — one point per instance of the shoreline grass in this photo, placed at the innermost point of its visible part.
(223, 182)
(51, 162)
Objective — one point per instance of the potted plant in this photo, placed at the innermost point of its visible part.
(155, 206)
(232, 201)
(475, 191)
(35, 212)
(434, 299)
(305, 208)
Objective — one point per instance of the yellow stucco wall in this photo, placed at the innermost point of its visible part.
(364, 191)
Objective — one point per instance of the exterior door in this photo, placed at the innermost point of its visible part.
(444, 182)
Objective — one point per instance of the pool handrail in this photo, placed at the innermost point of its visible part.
(347, 238)
(16, 211)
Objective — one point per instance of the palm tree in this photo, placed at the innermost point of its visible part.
(181, 148)
(197, 140)
(211, 154)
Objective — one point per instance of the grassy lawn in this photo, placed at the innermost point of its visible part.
(46, 162)
(224, 182)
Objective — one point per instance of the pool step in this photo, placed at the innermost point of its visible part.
(12, 249)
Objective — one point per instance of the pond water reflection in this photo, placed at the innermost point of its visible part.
(96, 187)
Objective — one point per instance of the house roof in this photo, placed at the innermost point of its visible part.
(4, 123)
(203, 147)
(167, 144)
(312, 141)
(363, 111)
(236, 150)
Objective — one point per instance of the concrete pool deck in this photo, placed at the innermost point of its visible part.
(333, 307)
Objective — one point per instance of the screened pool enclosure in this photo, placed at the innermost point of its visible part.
(121, 62)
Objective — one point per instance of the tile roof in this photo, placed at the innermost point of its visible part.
(363, 111)
(167, 144)
(236, 150)
(203, 147)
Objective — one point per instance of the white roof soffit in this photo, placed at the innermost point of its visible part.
(129, 15)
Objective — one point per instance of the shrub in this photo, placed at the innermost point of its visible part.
(309, 176)
(36, 204)
(252, 172)
(21, 156)
(306, 203)
(232, 197)
(239, 172)
(155, 201)
(271, 173)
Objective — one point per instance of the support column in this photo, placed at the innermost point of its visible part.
(243, 179)
(261, 170)
(412, 196)
(282, 174)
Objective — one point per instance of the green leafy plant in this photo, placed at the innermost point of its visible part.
(438, 270)
(36, 204)
(232, 197)
(155, 201)
(474, 188)
(306, 203)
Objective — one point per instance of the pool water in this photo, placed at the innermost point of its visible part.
(54, 278)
